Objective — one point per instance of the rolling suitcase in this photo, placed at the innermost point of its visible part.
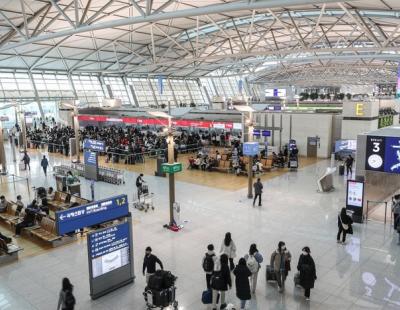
(206, 297)
(270, 274)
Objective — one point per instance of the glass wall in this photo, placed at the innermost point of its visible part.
(143, 92)
(15, 85)
(197, 94)
(167, 92)
(53, 85)
(227, 87)
(118, 89)
(88, 89)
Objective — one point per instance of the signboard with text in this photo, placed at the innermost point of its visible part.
(94, 213)
(392, 155)
(94, 145)
(375, 153)
(90, 158)
(109, 249)
(250, 148)
(171, 168)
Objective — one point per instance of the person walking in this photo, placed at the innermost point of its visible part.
(228, 247)
(344, 225)
(258, 187)
(209, 264)
(254, 260)
(280, 261)
(149, 263)
(395, 209)
(66, 300)
(221, 281)
(306, 267)
(242, 274)
(349, 165)
(44, 163)
(139, 184)
(26, 159)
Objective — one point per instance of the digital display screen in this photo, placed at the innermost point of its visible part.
(355, 193)
(109, 262)
(345, 145)
(392, 155)
(109, 249)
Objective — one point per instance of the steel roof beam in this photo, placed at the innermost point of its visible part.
(211, 9)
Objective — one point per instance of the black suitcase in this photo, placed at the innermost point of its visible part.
(270, 274)
(341, 169)
(160, 298)
(156, 282)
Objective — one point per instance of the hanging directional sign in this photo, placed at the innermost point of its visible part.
(172, 168)
(250, 148)
(94, 145)
(94, 213)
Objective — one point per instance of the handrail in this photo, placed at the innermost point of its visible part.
(379, 202)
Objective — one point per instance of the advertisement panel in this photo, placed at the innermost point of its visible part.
(109, 249)
(375, 153)
(90, 158)
(94, 213)
(355, 194)
(392, 155)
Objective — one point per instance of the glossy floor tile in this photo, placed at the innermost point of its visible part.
(364, 274)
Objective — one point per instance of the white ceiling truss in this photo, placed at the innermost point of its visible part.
(267, 40)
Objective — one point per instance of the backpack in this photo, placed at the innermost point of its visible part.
(69, 301)
(252, 264)
(217, 281)
(208, 263)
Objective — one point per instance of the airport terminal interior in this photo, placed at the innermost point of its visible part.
(199, 154)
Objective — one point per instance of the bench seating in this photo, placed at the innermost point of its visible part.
(223, 166)
(80, 200)
(11, 256)
(46, 230)
(266, 164)
(9, 215)
(60, 201)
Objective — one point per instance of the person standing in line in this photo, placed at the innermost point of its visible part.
(280, 260)
(254, 260)
(209, 264)
(221, 281)
(44, 163)
(149, 264)
(228, 247)
(349, 165)
(308, 274)
(258, 187)
(26, 159)
(66, 300)
(242, 274)
(344, 225)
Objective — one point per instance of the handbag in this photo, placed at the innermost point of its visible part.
(345, 226)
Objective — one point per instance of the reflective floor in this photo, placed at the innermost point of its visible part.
(364, 274)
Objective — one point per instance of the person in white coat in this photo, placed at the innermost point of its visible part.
(228, 247)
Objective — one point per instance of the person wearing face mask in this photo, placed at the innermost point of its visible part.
(280, 261)
(308, 274)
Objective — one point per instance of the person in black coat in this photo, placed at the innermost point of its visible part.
(308, 274)
(242, 274)
(223, 284)
(149, 263)
(344, 225)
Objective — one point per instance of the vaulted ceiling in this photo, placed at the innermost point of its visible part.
(286, 41)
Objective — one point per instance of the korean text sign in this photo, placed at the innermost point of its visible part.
(94, 145)
(91, 214)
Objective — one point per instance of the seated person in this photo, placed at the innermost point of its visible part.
(3, 204)
(20, 205)
(50, 193)
(29, 218)
(197, 163)
(45, 207)
(191, 162)
(218, 155)
(204, 163)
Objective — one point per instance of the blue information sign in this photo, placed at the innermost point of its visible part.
(250, 148)
(94, 145)
(392, 155)
(90, 158)
(91, 214)
(160, 81)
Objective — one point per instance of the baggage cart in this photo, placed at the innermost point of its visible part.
(161, 299)
(143, 200)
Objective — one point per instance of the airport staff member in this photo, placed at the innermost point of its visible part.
(149, 264)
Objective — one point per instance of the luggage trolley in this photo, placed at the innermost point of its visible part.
(161, 291)
(144, 201)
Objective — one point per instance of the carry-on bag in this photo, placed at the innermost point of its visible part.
(297, 279)
(206, 297)
(270, 274)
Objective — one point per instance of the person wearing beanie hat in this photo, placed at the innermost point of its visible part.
(149, 263)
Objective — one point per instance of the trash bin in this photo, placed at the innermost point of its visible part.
(341, 169)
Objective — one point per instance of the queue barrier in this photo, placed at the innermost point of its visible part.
(108, 175)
